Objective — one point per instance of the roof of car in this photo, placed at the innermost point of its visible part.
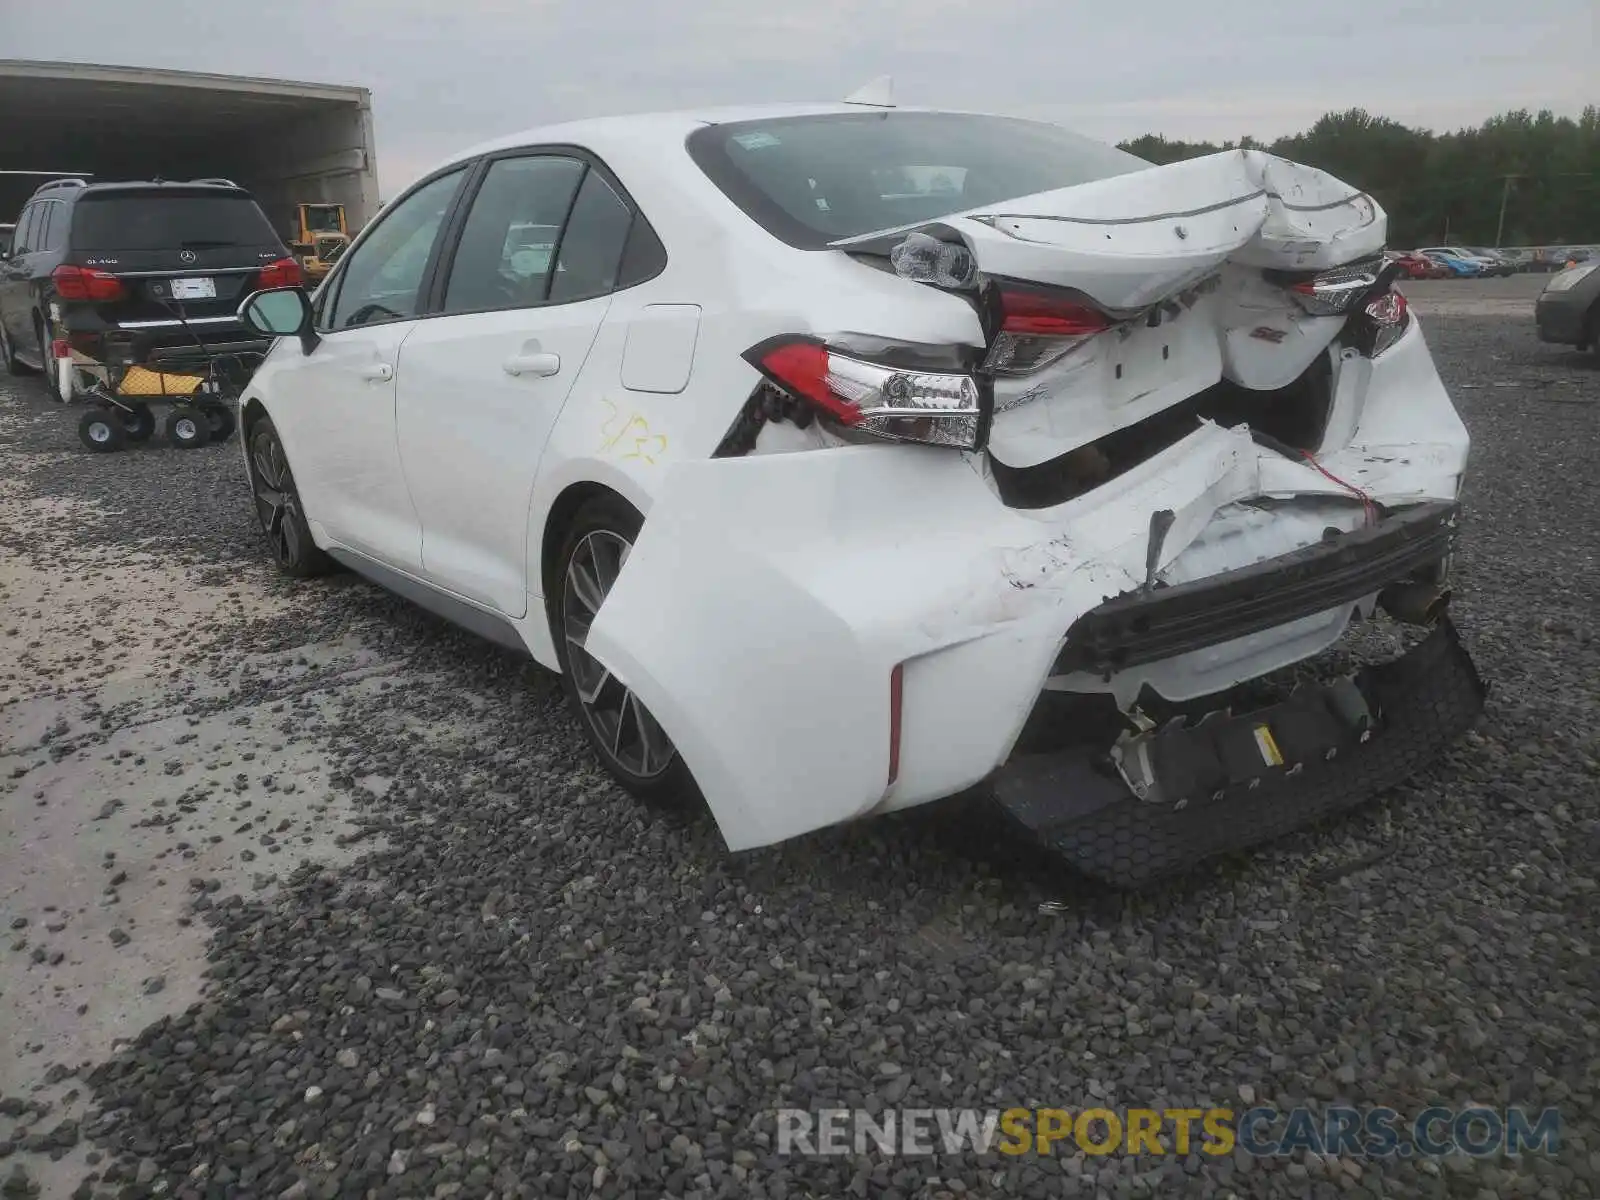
(80, 188)
(655, 128)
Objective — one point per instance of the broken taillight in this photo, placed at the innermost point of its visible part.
(1337, 291)
(1384, 319)
(1039, 327)
(285, 272)
(905, 404)
(85, 283)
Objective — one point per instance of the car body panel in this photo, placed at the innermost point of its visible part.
(1568, 313)
(337, 423)
(810, 606)
(471, 436)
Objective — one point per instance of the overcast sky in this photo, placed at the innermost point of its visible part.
(446, 73)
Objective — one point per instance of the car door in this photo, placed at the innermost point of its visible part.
(520, 302)
(16, 308)
(335, 406)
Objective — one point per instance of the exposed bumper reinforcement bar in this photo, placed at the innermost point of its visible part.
(1143, 627)
(1077, 802)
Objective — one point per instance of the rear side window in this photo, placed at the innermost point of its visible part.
(168, 221)
(812, 180)
(592, 245)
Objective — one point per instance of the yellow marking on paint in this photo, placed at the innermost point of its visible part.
(1270, 754)
(633, 435)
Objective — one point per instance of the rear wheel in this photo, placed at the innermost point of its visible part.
(220, 419)
(624, 734)
(101, 430)
(138, 422)
(187, 428)
(278, 508)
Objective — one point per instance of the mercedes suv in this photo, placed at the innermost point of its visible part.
(101, 277)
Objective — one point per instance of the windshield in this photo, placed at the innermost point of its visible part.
(322, 218)
(169, 221)
(812, 180)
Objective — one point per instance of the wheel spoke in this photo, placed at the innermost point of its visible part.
(620, 723)
(588, 590)
(654, 748)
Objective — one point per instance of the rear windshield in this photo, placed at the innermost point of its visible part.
(812, 180)
(168, 222)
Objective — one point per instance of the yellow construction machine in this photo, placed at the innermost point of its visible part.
(320, 236)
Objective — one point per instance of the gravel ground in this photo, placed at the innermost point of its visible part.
(527, 985)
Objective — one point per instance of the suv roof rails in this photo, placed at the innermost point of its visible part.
(216, 179)
(72, 182)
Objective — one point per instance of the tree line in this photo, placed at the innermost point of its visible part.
(1450, 187)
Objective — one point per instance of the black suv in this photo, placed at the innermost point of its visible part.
(104, 276)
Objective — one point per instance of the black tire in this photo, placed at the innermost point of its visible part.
(8, 356)
(52, 380)
(626, 738)
(278, 509)
(138, 422)
(220, 418)
(187, 427)
(101, 430)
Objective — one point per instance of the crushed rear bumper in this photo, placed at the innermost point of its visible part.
(1079, 804)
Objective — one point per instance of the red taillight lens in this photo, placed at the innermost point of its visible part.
(1052, 316)
(902, 403)
(85, 283)
(802, 367)
(283, 273)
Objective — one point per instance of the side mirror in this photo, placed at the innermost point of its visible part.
(281, 312)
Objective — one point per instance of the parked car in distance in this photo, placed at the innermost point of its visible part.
(1495, 262)
(139, 273)
(1419, 266)
(821, 449)
(5, 239)
(1568, 310)
(1455, 265)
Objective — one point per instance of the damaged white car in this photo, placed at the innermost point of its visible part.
(843, 458)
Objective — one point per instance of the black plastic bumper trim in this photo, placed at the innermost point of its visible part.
(1075, 803)
(1141, 627)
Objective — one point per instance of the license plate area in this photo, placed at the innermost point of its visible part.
(199, 287)
(1149, 358)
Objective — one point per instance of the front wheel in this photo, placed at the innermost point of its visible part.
(8, 355)
(629, 742)
(101, 430)
(278, 509)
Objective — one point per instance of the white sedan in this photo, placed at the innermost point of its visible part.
(845, 457)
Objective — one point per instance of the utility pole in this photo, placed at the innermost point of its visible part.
(1505, 194)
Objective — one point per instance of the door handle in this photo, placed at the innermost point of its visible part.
(543, 363)
(378, 372)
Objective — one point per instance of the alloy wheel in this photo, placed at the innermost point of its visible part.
(275, 498)
(620, 722)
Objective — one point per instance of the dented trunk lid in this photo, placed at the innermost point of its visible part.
(1175, 255)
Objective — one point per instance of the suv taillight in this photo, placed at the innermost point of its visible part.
(285, 272)
(903, 404)
(85, 283)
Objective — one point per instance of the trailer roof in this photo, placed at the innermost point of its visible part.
(84, 113)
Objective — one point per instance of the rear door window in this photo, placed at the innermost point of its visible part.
(507, 249)
(168, 221)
